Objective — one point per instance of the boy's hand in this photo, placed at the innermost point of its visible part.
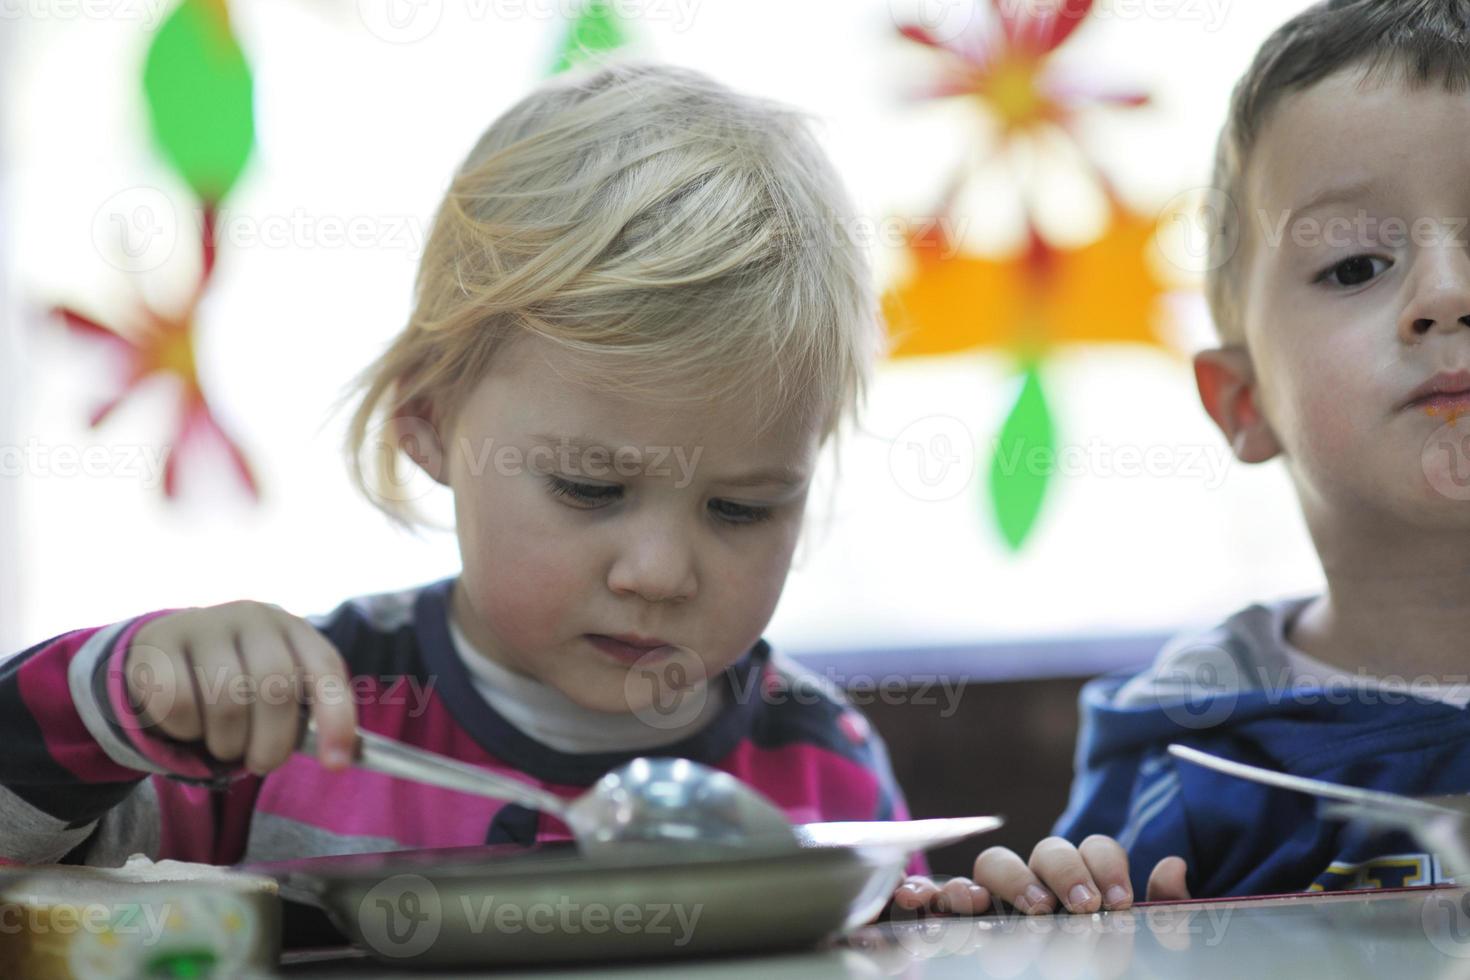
(237, 676)
(1082, 879)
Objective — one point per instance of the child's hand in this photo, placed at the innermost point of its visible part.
(1086, 878)
(1081, 879)
(237, 676)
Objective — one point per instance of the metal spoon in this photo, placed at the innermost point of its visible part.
(646, 800)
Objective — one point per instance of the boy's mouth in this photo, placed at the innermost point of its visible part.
(1448, 391)
(631, 650)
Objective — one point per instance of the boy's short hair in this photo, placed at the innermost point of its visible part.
(673, 236)
(1413, 41)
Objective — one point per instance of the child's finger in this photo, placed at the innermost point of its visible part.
(158, 683)
(1061, 868)
(217, 669)
(961, 896)
(1108, 864)
(331, 707)
(1166, 883)
(916, 892)
(273, 711)
(1006, 876)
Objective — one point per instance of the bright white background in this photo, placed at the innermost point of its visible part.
(351, 126)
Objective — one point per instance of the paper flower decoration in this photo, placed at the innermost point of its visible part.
(1029, 303)
(595, 30)
(198, 91)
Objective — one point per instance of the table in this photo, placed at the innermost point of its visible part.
(1411, 932)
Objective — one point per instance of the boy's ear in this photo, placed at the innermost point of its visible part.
(415, 430)
(1227, 386)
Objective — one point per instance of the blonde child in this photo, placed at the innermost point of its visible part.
(635, 325)
(1340, 283)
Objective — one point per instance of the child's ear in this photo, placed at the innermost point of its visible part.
(415, 430)
(1227, 386)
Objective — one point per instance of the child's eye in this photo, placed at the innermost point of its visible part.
(592, 494)
(1355, 271)
(733, 513)
(585, 493)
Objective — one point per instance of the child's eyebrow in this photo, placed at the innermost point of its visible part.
(778, 476)
(1336, 194)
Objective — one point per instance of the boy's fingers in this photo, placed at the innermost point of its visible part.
(331, 705)
(273, 709)
(1005, 875)
(1061, 868)
(1166, 882)
(217, 668)
(915, 893)
(961, 896)
(158, 684)
(1108, 864)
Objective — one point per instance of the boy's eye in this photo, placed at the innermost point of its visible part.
(734, 513)
(589, 495)
(1355, 271)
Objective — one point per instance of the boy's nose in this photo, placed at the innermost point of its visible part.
(656, 567)
(1441, 300)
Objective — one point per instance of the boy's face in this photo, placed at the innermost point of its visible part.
(1357, 291)
(660, 537)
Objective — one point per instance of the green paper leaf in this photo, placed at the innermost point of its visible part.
(597, 29)
(200, 97)
(1024, 461)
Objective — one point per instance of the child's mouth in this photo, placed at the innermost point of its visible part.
(628, 653)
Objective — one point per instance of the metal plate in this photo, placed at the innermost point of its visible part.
(487, 906)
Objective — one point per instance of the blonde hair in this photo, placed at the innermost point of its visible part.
(668, 232)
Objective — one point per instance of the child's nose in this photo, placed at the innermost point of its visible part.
(1441, 300)
(658, 567)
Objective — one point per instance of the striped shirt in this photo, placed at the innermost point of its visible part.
(82, 782)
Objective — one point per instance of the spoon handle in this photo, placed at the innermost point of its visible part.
(378, 753)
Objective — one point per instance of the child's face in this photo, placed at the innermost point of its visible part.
(658, 538)
(1353, 302)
